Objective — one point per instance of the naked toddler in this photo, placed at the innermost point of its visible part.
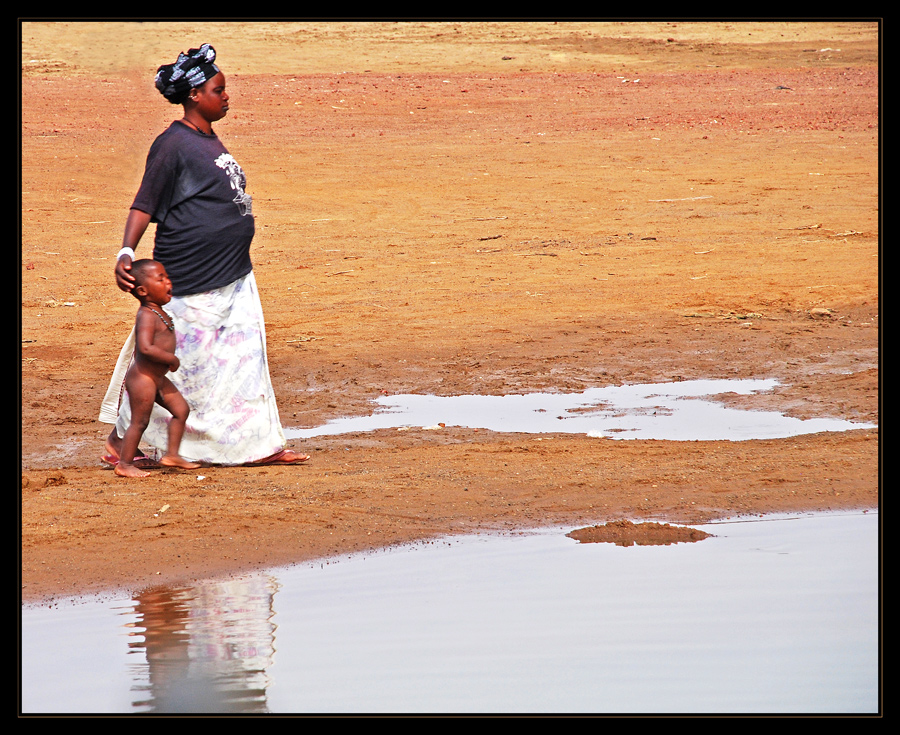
(146, 380)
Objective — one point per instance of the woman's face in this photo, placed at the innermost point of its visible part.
(212, 99)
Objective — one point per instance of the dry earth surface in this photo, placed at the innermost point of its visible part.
(453, 208)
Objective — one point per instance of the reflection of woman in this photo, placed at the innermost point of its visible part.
(195, 192)
(208, 648)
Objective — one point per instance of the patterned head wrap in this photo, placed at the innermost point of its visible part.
(193, 69)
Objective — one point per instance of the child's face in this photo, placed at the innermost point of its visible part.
(157, 286)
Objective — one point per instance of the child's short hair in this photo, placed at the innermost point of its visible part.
(139, 270)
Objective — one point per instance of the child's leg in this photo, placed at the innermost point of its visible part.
(141, 396)
(170, 399)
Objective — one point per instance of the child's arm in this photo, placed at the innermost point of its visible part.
(145, 333)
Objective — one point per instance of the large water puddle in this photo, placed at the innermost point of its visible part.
(777, 614)
(679, 411)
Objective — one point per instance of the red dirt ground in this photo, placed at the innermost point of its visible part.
(459, 208)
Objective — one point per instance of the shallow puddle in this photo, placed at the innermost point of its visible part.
(680, 411)
(771, 614)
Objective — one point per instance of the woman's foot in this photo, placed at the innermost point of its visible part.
(285, 456)
(141, 460)
(173, 460)
(114, 446)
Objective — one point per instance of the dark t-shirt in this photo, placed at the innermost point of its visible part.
(195, 193)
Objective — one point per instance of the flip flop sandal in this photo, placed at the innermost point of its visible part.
(142, 461)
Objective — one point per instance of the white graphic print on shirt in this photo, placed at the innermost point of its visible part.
(236, 175)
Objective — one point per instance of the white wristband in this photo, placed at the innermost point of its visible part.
(125, 251)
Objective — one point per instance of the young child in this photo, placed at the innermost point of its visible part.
(146, 380)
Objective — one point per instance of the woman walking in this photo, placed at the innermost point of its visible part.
(195, 192)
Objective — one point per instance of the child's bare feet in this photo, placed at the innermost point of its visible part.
(129, 470)
(173, 460)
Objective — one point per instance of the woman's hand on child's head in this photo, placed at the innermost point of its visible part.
(124, 279)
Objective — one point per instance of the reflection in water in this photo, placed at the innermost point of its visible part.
(207, 648)
(775, 614)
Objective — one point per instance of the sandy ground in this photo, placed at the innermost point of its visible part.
(457, 208)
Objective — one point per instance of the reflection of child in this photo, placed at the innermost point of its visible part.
(146, 380)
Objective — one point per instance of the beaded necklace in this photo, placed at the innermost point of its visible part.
(169, 324)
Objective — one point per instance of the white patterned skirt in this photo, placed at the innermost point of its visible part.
(224, 377)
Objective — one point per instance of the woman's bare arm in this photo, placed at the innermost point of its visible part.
(135, 226)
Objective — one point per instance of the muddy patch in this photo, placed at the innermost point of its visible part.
(626, 533)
